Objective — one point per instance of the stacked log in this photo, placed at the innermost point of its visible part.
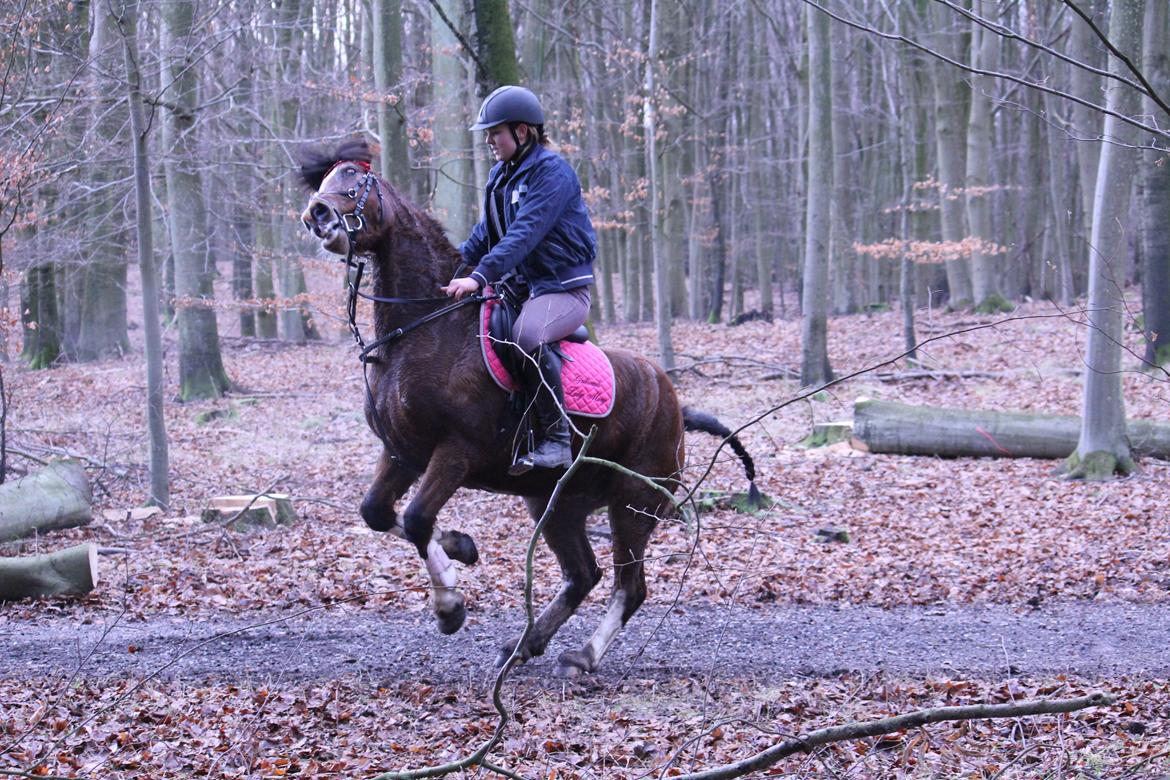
(56, 497)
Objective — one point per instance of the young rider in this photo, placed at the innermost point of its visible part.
(535, 223)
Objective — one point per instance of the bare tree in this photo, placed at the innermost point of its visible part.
(1103, 449)
(160, 494)
(814, 354)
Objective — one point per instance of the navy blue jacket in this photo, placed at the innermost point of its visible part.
(549, 238)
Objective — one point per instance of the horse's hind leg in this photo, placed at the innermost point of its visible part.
(631, 531)
(565, 535)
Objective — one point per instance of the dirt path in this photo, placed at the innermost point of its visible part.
(1091, 640)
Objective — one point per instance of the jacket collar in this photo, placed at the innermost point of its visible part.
(537, 153)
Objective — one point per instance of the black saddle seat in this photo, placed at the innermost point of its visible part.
(503, 317)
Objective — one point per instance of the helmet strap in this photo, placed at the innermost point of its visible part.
(521, 148)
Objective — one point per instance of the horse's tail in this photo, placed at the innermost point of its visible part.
(705, 423)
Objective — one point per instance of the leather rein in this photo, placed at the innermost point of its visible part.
(354, 223)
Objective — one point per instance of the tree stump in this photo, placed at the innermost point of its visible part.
(73, 570)
(57, 496)
(249, 512)
(826, 433)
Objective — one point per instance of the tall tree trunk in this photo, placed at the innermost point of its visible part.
(814, 353)
(387, 67)
(100, 306)
(290, 35)
(950, 96)
(846, 292)
(201, 371)
(1084, 47)
(496, 44)
(1156, 201)
(453, 157)
(1057, 148)
(661, 273)
(160, 493)
(1103, 449)
(42, 323)
(985, 290)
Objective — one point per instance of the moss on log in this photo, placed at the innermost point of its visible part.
(57, 496)
(73, 570)
(896, 428)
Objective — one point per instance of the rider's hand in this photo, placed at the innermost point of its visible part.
(460, 287)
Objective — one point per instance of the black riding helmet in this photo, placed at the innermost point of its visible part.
(512, 105)
(509, 104)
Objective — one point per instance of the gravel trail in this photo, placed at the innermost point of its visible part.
(1086, 639)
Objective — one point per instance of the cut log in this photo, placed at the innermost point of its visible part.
(57, 496)
(902, 429)
(266, 511)
(73, 570)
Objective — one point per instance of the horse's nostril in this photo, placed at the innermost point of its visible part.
(319, 212)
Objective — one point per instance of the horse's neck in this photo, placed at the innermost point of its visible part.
(406, 266)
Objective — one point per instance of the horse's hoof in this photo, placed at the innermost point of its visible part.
(452, 620)
(506, 653)
(379, 517)
(572, 664)
(459, 547)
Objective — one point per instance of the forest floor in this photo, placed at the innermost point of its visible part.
(309, 651)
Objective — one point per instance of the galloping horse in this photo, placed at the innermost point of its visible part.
(443, 422)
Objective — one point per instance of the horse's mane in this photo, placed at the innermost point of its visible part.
(316, 162)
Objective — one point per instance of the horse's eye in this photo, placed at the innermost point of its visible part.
(351, 170)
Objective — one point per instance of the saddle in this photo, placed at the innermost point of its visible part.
(586, 373)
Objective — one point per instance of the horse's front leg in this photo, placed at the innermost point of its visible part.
(391, 481)
(446, 471)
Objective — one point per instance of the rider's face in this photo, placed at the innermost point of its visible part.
(499, 140)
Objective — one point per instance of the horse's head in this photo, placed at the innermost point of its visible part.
(347, 203)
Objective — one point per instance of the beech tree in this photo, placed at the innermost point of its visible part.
(814, 354)
(201, 371)
(1155, 207)
(1103, 449)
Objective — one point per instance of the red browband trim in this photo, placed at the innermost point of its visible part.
(365, 166)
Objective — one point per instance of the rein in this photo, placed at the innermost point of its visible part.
(353, 223)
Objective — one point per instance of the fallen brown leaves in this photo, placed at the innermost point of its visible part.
(922, 531)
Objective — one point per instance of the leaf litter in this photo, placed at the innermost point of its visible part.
(923, 533)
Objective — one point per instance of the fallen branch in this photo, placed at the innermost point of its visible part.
(875, 728)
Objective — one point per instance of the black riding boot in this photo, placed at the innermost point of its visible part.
(542, 381)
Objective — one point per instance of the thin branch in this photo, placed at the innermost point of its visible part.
(910, 720)
(1134, 69)
(992, 73)
(1006, 32)
(467, 47)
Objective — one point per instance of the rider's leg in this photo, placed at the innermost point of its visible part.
(545, 320)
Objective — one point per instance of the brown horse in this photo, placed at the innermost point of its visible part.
(444, 424)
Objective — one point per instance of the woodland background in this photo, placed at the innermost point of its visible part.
(831, 186)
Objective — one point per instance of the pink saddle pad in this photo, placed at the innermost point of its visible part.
(587, 375)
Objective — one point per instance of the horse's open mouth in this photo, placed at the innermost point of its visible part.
(324, 223)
